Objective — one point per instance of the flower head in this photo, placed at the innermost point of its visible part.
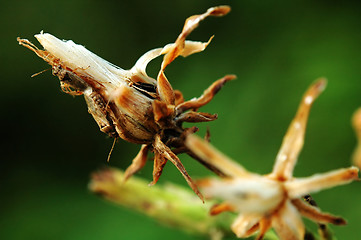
(272, 200)
(128, 103)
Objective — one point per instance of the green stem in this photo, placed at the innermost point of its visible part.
(172, 205)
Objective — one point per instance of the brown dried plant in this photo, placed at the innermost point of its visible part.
(272, 200)
(129, 104)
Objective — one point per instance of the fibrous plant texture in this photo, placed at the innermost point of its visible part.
(129, 104)
(272, 200)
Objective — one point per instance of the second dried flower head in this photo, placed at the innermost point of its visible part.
(272, 200)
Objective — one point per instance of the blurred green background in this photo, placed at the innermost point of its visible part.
(276, 48)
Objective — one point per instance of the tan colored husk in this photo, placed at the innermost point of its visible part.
(129, 104)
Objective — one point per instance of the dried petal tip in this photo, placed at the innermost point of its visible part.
(302, 186)
(321, 83)
(315, 90)
(219, 11)
(353, 174)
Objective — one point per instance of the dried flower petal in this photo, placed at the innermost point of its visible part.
(206, 97)
(190, 24)
(315, 214)
(128, 103)
(247, 195)
(167, 153)
(138, 162)
(165, 90)
(288, 223)
(302, 186)
(293, 140)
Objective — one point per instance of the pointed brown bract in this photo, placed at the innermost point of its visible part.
(159, 163)
(315, 214)
(206, 97)
(272, 200)
(138, 162)
(131, 105)
(294, 138)
(219, 208)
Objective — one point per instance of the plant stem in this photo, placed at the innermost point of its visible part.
(170, 204)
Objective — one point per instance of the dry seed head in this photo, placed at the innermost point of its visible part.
(128, 103)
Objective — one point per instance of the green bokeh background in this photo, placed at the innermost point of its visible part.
(276, 48)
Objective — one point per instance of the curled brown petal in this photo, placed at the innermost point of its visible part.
(167, 153)
(196, 117)
(164, 88)
(219, 208)
(138, 162)
(294, 138)
(206, 97)
(190, 24)
(159, 163)
(315, 214)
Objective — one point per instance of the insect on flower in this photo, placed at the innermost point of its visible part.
(128, 103)
(272, 200)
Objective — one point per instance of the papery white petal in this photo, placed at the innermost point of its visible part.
(190, 47)
(293, 141)
(247, 195)
(288, 223)
(301, 186)
(82, 60)
(140, 66)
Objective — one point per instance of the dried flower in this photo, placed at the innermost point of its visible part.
(356, 123)
(128, 103)
(272, 200)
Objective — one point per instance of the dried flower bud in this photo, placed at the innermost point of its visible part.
(128, 103)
